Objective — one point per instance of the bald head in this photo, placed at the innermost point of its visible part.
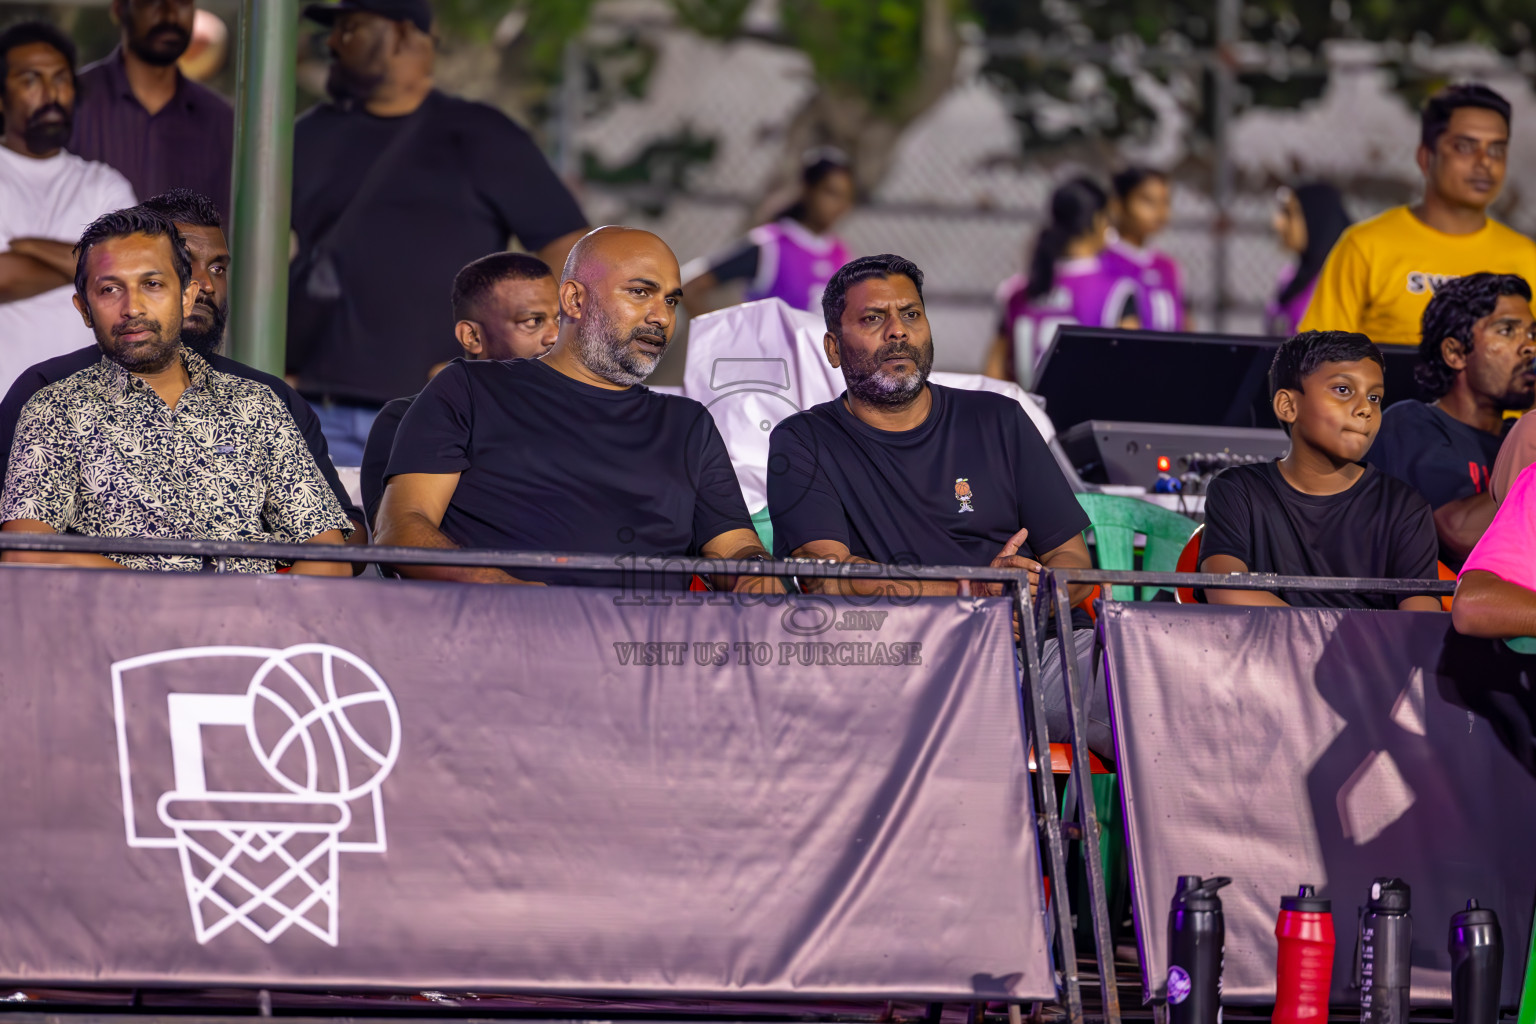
(618, 302)
(610, 245)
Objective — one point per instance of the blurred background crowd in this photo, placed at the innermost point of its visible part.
(958, 117)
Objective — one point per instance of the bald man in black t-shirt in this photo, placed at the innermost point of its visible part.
(572, 452)
(899, 471)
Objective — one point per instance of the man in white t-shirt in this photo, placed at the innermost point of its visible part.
(47, 197)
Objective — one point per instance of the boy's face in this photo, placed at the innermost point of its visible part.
(1338, 410)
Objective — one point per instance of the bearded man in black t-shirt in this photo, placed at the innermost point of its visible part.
(572, 452)
(1479, 338)
(899, 471)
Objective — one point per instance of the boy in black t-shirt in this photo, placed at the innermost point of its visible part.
(1319, 511)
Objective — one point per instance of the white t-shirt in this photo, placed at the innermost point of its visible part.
(54, 198)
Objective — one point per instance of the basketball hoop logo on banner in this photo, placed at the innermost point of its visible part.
(259, 766)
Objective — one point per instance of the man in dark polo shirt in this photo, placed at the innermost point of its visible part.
(899, 471)
(1479, 339)
(395, 187)
(202, 331)
(138, 113)
(572, 452)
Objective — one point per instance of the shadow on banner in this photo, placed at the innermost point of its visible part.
(1290, 746)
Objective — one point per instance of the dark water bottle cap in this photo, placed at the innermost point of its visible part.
(1474, 915)
(1306, 901)
(1389, 894)
(1194, 893)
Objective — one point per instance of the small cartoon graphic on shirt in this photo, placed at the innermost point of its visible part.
(963, 494)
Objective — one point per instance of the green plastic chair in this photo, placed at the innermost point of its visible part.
(1116, 520)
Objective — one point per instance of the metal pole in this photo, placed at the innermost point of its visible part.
(569, 105)
(1225, 98)
(1037, 738)
(1081, 782)
(263, 182)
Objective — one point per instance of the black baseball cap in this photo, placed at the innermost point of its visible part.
(417, 12)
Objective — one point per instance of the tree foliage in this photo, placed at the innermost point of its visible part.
(1132, 44)
(877, 65)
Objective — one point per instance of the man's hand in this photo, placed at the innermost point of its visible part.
(740, 544)
(1008, 558)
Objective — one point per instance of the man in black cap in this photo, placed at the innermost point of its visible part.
(397, 186)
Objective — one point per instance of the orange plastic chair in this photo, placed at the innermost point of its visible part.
(1445, 574)
(1189, 561)
(1061, 761)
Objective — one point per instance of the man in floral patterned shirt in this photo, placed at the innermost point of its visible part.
(152, 442)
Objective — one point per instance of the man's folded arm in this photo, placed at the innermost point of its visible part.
(49, 252)
(23, 276)
(411, 516)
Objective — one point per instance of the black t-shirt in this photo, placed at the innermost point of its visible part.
(466, 181)
(1436, 454)
(949, 492)
(548, 463)
(35, 378)
(381, 440)
(1433, 452)
(1378, 529)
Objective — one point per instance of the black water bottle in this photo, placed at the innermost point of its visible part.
(1477, 965)
(1196, 933)
(1382, 967)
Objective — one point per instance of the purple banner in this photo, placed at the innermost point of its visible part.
(225, 780)
(1284, 746)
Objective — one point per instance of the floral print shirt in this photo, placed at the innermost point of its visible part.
(100, 454)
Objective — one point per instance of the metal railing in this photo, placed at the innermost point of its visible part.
(1050, 599)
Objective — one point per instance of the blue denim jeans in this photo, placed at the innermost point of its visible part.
(346, 429)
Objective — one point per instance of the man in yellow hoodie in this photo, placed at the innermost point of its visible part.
(1383, 271)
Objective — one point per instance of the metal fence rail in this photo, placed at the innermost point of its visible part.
(686, 565)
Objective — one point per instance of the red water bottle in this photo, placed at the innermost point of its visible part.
(1305, 971)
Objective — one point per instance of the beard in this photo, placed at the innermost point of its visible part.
(148, 356)
(871, 384)
(45, 136)
(607, 353)
(205, 342)
(349, 86)
(161, 46)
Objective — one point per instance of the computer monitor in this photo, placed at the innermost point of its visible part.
(1218, 380)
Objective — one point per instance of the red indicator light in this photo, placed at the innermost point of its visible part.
(1163, 465)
